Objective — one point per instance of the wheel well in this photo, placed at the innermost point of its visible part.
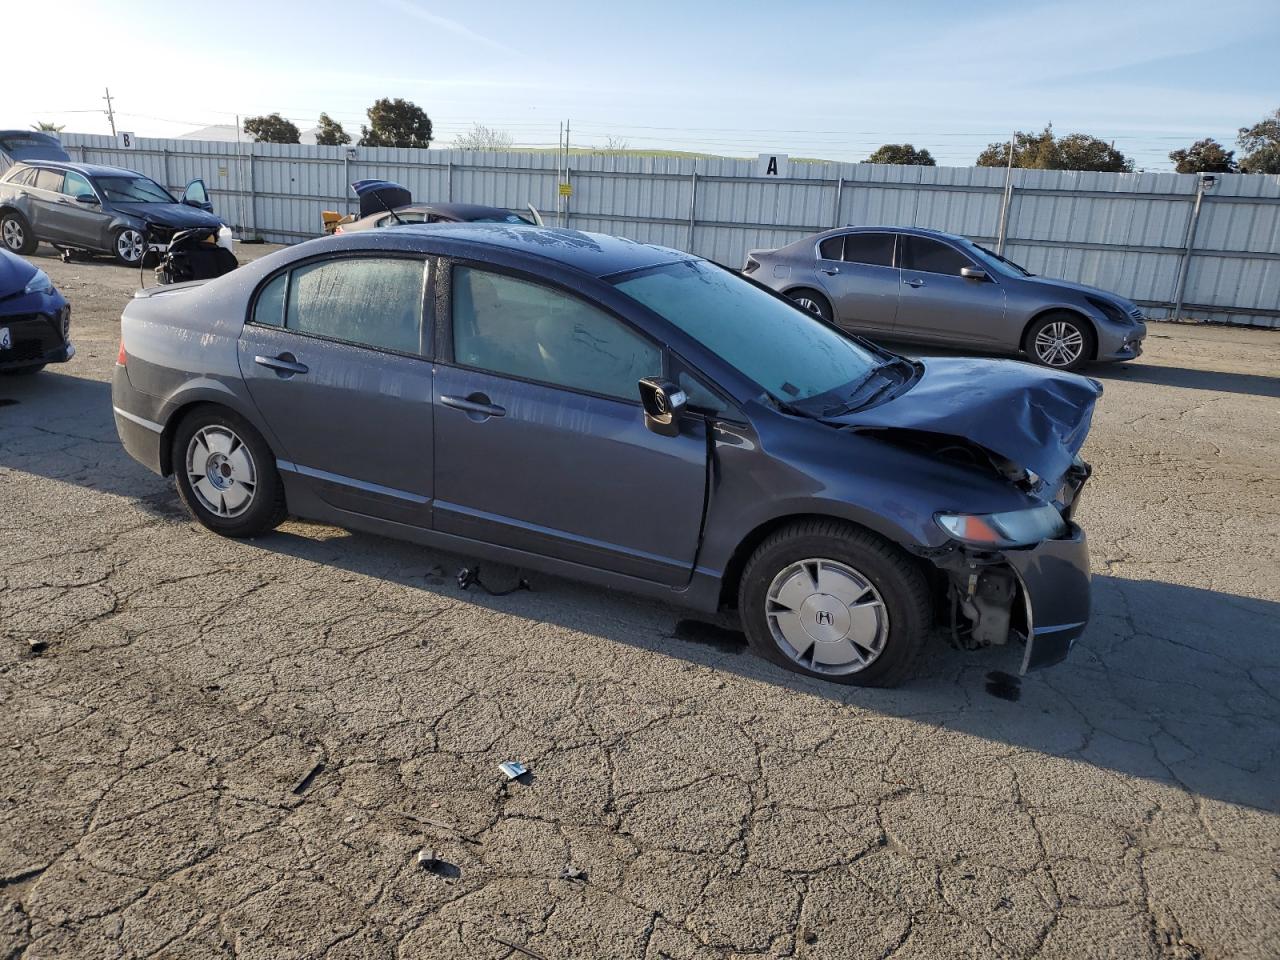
(747, 546)
(175, 421)
(1069, 312)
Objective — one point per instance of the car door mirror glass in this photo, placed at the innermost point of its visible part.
(86, 198)
(973, 273)
(663, 403)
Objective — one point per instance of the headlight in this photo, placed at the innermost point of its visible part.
(39, 283)
(1110, 311)
(1015, 528)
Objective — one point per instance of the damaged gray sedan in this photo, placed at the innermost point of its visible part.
(681, 432)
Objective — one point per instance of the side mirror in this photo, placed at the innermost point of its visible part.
(663, 403)
(86, 198)
(973, 273)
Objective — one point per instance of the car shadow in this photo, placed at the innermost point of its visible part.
(1213, 380)
(1173, 684)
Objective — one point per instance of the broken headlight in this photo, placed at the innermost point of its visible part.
(1014, 528)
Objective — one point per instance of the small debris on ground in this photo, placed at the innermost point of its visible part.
(470, 576)
(301, 786)
(514, 769)
(428, 858)
(519, 949)
(573, 873)
(37, 645)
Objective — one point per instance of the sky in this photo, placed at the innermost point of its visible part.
(809, 78)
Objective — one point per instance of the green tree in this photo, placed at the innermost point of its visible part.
(1204, 156)
(396, 123)
(44, 126)
(271, 128)
(330, 133)
(903, 153)
(1044, 151)
(1261, 146)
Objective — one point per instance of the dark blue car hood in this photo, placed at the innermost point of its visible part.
(14, 274)
(1035, 417)
(178, 215)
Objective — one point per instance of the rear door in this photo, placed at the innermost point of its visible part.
(337, 359)
(47, 219)
(862, 279)
(939, 304)
(540, 437)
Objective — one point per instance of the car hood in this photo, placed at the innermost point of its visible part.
(1035, 417)
(177, 215)
(1125, 305)
(14, 273)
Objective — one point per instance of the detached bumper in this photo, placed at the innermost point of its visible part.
(1054, 578)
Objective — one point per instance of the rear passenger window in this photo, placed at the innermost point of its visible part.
(533, 332)
(372, 301)
(22, 178)
(875, 249)
(930, 256)
(49, 180)
(830, 248)
(269, 310)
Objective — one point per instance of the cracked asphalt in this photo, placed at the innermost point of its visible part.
(238, 749)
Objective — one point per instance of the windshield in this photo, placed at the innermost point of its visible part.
(133, 190)
(794, 356)
(996, 262)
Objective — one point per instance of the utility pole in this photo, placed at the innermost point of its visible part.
(1006, 197)
(111, 114)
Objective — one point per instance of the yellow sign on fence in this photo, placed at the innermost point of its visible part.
(566, 189)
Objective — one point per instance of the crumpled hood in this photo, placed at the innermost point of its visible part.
(1037, 418)
(177, 215)
(15, 273)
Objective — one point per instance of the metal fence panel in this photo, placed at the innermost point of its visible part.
(1123, 232)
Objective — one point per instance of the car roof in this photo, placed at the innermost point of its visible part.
(596, 254)
(88, 169)
(889, 228)
(463, 211)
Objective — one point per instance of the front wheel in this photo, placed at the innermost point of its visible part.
(226, 474)
(1062, 341)
(129, 246)
(831, 600)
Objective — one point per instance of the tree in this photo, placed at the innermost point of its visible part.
(271, 128)
(1261, 146)
(330, 133)
(1044, 151)
(480, 137)
(903, 153)
(396, 123)
(1204, 156)
(616, 145)
(44, 126)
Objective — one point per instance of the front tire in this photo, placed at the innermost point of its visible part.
(812, 301)
(831, 600)
(226, 474)
(128, 245)
(1061, 341)
(16, 234)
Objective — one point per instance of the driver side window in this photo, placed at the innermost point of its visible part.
(76, 186)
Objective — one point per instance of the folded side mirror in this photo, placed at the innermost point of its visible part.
(663, 403)
(973, 273)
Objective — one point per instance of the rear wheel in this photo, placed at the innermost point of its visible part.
(812, 301)
(226, 474)
(831, 600)
(1061, 340)
(16, 233)
(128, 246)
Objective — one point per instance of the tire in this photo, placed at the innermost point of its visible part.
(16, 234)
(845, 561)
(812, 301)
(1061, 341)
(128, 246)
(23, 371)
(218, 460)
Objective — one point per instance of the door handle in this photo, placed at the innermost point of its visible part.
(829, 271)
(914, 282)
(476, 406)
(286, 364)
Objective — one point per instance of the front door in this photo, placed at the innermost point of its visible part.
(862, 281)
(940, 305)
(335, 359)
(82, 220)
(540, 437)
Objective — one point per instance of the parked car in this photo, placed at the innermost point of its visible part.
(909, 284)
(97, 209)
(19, 145)
(387, 204)
(681, 432)
(35, 319)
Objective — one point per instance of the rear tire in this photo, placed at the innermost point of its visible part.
(226, 474)
(1061, 341)
(16, 234)
(812, 301)
(832, 600)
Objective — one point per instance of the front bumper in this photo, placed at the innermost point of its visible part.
(1121, 343)
(37, 338)
(1053, 578)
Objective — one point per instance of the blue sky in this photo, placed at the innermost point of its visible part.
(810, 78)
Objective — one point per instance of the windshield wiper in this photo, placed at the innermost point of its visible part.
(855, 400)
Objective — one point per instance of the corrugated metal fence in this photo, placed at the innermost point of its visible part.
(1146, 235)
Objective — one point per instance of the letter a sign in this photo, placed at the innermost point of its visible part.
(772, 165)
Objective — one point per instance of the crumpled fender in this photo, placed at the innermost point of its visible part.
(1036, 417)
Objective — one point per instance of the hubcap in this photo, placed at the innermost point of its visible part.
(809, 304)
(826, 616)
(222, 472)
(13, 235)
(129, 243)
(1059, 344)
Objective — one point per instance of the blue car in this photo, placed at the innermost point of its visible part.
(35, 319)
(628, 415)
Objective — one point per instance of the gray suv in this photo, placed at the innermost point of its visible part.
(911, 284)
(97, 209)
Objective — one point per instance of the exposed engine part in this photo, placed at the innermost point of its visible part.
(981, 594)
